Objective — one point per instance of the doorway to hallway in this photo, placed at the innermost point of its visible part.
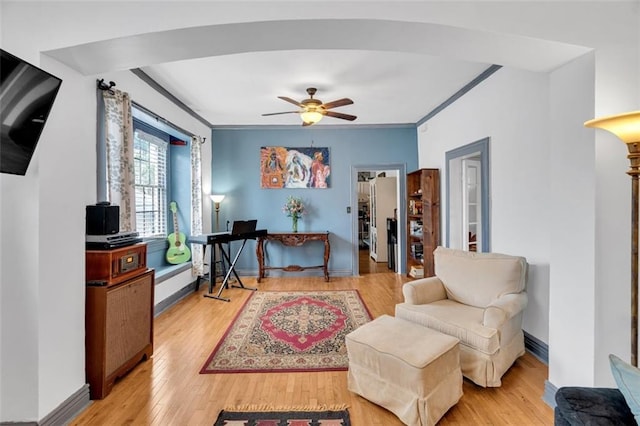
(369, 257)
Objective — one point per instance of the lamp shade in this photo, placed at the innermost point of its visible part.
(625, 126)
(217, 198)
(311, 117)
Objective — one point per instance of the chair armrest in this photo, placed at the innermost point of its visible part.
(503, 309)
(424, 290)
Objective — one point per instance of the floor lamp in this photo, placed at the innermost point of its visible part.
(626, 126)
(217, 199)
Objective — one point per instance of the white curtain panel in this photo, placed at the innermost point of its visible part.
(197, 255)
(118, 125)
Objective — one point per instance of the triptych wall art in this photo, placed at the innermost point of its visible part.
(282, 167)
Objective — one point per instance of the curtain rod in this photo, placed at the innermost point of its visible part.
(101, 85)
(164, 120)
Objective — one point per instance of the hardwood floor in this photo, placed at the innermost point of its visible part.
(368, 266)
(168, 389)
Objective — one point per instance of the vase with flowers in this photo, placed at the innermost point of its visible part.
(295, 209)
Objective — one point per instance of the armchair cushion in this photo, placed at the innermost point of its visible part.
(425, 290)
(477, 279)
(503, 309)
(454, 319)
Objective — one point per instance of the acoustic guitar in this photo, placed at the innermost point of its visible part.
(178, 251)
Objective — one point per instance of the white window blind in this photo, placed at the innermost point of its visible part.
(150, 162)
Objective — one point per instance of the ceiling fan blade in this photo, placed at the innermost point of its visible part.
(338, 103)
(278, 113)
(291, 101)
(340, 115)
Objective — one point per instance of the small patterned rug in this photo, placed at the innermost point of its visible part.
(283, 418)
(289, 331)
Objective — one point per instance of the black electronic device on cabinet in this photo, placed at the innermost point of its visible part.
(103, 219)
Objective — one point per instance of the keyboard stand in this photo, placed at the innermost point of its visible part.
(219, 239)
(218, 271)
(232, 268)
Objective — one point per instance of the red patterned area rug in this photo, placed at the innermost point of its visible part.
(290, 331)
(283, 418)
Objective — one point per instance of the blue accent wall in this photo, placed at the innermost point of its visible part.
(236, 173)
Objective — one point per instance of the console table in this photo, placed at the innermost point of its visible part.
(293, 239)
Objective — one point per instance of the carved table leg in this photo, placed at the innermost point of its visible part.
(327, 252)
(260, 256)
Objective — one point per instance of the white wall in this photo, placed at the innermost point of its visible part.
(553, 188)
(554, 184)
(510, 108)
(572, 225)
(42, 240)
(42, 244)
(63, 161)
(41, 343)
(578, 353)
(19, 275)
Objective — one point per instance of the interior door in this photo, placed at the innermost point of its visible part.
(472, 204)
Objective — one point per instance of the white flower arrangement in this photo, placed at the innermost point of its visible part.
(294, 207)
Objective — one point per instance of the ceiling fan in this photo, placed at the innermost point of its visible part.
(312, 110)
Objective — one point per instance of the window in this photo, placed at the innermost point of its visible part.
(162, 163)
(150, 169)
(162, 174)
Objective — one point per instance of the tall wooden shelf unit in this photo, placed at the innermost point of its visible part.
(423, 218)
(119, 315)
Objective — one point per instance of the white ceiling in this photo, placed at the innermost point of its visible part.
(395, 72)
(386, 87)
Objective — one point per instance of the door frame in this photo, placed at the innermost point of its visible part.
(478, 148)
(401, 168)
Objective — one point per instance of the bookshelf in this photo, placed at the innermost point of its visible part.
(423, 218)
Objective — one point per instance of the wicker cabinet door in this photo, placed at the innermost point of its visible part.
(128, 321)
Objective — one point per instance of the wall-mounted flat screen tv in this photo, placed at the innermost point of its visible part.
(26, 97)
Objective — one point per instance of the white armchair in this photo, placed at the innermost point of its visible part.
(478, 298)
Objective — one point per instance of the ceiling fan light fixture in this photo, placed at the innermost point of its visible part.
(311, 117)
(312, 110)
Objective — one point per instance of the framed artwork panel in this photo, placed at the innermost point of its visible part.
(299, 167)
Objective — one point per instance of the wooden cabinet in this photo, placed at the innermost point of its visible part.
(423, 218)
(118, 326)
(383, 198)
(108, 267)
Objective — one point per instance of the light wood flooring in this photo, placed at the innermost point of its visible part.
(168, 389)
(368, 266)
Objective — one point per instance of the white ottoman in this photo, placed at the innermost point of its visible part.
(410, 370)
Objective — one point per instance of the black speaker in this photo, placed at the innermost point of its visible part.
(103, 219)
